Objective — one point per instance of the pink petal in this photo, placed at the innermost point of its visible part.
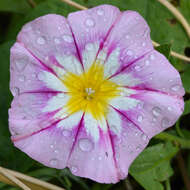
(47, 37)
(90, 28)
(155, 111)
(130, 38)
(153, 72)
(27, 73)
(51, 147)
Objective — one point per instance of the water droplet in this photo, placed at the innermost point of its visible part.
(21, 64)
(85, 145)
(140, 118)
(99, 158)
(66, 133)
(137, 68)
(15, 91)
(147, 62)
(41, 40)
(89, 47)
(61, 95)
(68, 38)
(143, 44)
(175, 87)
(90, 22)
(127, 36)
(57, 40)
(41, 76)
(152, 57)
(56, 151)
(51, 146)
(165, 122)
(21, 78)
(169, 108)
(53, 162)
(144, 137)
(74, 169)
(100, 12)
(130, 52)
(156, 111)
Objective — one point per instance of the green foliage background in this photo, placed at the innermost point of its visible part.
(157, 168)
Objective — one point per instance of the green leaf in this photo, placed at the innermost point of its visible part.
(17, 6)
(164, 49)
(152, 166)
(185, 76)
(187, 107)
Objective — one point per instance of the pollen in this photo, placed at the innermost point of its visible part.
(90, 91)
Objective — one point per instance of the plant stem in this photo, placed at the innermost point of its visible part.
(168, 187)
(183, 143)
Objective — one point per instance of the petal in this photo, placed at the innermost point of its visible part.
(90, 28)
(153, 72)
(50, 40)
(129, 40)
(51, 146)
(88, 153)
(26, 113)
(30, 75)
(124, 103)
(155, 111)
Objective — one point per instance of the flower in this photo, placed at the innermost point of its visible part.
(90, 91)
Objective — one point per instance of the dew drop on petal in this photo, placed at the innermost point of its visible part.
(130, 52)
(21, 78)
(99, 158)
(57, 40)
(165, 122)
(66, 133)
(41, 40)
(89, 22)
(152, 57)
(147, 62)
(41, 76)
(85, 145)
(68, 38)
(143, 44)
(21, 64)
(53, 162)
(51, 146)
(61, 95)
(74, 169)
(140, 118)
(127, 36)
(175, 87)
(143, 137)
(100, 12)
(156, 111)
(15, 91)
(169, 108)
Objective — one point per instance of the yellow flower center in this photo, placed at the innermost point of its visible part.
(90, 91)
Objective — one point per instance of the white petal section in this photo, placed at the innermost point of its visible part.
(56, 102)
(71, 121)
(89, 54)
(125, 80)
(91, 126)
(114, 121)
(60, 72)
(124, 103)
(112, 63)
(51, 81)
(70, 63)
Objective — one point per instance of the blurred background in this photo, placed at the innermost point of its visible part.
(165, 164)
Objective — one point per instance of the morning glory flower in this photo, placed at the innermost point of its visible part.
(90, 91)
